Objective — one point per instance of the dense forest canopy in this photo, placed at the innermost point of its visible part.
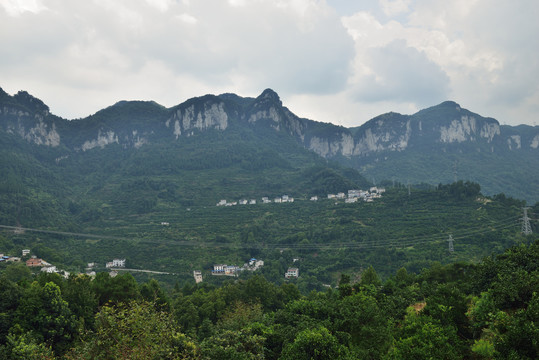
(488, 310)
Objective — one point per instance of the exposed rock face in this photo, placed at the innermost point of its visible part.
(514, 142)
(437, 127)
(211, 116)
(41, 134)
(101, 141)
(459, 130)
(535, 142)
(465, 129)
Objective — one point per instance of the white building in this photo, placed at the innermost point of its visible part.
(116, 263)
(292, 273)
(252, 202)
(218, 269)
(25, 252)
(197, 274)
(49, 269)
(221, 203)
(243, 202)
(314, 198)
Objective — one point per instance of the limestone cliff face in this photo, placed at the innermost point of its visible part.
(209, 115)
(101, 141)
(136, 124)
(31, 127)
(268, 109)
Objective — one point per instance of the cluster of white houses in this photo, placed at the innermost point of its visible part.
(230, 270)
(115, 263)
(34, 261)
(352, 197)
(265, 200)
(355, 195)
(233, 270)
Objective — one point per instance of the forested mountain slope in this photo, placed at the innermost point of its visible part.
(440, 144)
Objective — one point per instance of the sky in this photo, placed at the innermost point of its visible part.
(338, 61)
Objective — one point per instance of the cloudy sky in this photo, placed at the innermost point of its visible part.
(339, 61)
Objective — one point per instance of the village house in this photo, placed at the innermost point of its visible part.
(25, 252)
(243, 202)
(34, 261)
(115, 263)
(49, 269)
(230, 270)
(314, 198)
(252, 202)
(292, 273)
(221, 203)
(218, 269)
(265, 200)
(254, 264)
(197, 274)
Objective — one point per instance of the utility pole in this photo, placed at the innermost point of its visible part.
(450, 240)
(526, 228)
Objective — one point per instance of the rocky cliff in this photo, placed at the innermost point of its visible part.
(376, 147)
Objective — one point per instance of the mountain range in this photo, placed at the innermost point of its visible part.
(439, 144)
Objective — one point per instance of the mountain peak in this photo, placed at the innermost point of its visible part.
(449, 103)
(31, 102)
(269, 95)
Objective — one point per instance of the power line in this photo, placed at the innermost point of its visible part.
(369, 244)
(526, 229)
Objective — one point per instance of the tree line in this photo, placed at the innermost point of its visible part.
(460, 310)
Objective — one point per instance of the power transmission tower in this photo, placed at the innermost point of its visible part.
(455, 170)
(450, 240)
(526, 228)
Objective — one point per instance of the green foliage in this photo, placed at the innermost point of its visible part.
(134, 330)
(422, 337)
(436, 314)
(315, 344)
(46, 317)
(370, 277)
(118, 289)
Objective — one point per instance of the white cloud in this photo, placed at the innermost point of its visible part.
(18, 7)
(398, 55)
(395, 7)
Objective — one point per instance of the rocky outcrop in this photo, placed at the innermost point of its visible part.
(101, 141)
(211, 115)
(439, 127)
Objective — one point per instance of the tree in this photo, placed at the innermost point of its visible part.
(121, 288)
(46, 316)
(370, 277)
(16, 272)
(81, 298)
(312, 344)
(134, 330)
(9, 301)
(422, 337)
